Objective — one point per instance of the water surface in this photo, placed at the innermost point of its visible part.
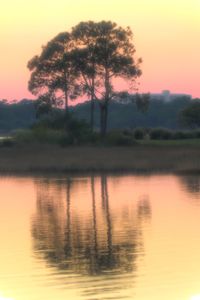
(100, 237)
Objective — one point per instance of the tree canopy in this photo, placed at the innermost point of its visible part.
(53, 73)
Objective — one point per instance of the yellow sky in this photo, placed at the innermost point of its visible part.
(166, 37)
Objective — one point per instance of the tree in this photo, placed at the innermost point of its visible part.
(85, 58)
(142, 102)
(86, 61)
(53, 73)
(108, 54)
(190, 116)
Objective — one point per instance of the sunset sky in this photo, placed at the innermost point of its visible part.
(166, 36)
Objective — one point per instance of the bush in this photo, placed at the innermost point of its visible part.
(179, 135)
(139, 133)
(78, 129)
(182, 135)
(161, 134)
(119, 139)
(39, 135)
(55, 120)
(23, 136)
(128, 132)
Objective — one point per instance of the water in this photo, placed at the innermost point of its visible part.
(101, 237)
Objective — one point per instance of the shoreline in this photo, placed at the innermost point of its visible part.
(144, 159)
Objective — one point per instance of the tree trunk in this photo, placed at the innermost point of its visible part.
(66, 92)
(103, 118)
(92, 107)
(66, 100)
(104, 105)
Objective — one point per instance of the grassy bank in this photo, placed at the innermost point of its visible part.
(138, 158)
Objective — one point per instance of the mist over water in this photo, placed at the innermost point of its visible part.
(100, 237)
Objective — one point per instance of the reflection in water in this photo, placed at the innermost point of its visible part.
(191, 183)
(144, 208)
(92, 236)
(100, 237)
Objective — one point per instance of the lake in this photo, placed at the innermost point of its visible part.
(100, 237)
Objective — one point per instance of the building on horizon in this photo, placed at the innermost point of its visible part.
(167, 96)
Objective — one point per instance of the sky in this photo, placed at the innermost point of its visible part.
(166, 36)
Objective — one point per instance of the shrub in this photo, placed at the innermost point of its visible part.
(161, 134)
(78, 128)
(50, 136)
(181, 135)
(23, 136)
(119, 139)
(39, 135)
(139, 133)
(128, 132)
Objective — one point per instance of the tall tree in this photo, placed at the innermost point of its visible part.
(89, 60)
(110, 52)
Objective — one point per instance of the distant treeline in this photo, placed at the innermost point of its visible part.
(160, 114)
(16, 115)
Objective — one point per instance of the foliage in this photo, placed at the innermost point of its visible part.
(165, 134)
(160, 114)
(118, 138)
(52, 73)
(69, 130)
(190, 116)
(142, 102)
(126, 115)
(39, 135)
(140, 133)
(161, 134)
(182, 135)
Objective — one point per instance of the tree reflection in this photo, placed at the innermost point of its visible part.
(92, 241)
(191, 183)
(144, 208)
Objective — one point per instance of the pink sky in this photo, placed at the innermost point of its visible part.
(166, 36)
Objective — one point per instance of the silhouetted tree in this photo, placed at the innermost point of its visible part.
(86, 61)
(109, 51)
